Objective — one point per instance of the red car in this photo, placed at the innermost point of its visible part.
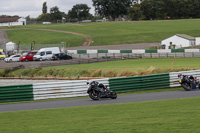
(28, 56)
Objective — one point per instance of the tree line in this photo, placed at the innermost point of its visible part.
(165, 9)
(77, 13)
(148, 9)
(129, 9)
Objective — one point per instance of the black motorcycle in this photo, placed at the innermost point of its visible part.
(97, 91)
(188, 82)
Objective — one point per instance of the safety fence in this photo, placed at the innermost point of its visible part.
(139, 83)
(134, 51)
(62, 89)
(114, 56)
(79, 88)
(174, 76)
(16, 93)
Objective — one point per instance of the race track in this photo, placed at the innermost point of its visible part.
(89, 102)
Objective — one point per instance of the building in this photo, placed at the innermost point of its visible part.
(179, 40)
(12, 21)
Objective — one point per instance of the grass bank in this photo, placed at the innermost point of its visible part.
(43, 37)
(112, 33)
(131, 67)
(174, 116)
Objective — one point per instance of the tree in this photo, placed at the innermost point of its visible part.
(195, 8)
(154, 9)
(55, 14)
(44, 17)
(135, 12)
(112, 8)
(44, 8)
(79, 11)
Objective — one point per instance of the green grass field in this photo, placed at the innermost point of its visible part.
(137, 64)
(164, 116)
(110, 33)
(130, 67)
(43, 37)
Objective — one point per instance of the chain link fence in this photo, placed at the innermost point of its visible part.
(30, 47)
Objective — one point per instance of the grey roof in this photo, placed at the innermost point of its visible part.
(6, 20)
(186, 36)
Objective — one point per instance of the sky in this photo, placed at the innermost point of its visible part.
(33, 8)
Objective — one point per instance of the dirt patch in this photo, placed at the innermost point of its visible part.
(87, 41)
(3, 38)
(117, 47)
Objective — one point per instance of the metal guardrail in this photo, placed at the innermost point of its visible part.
(79, 88)
(127, 84)
(112, 56)
(16, 93)
(62, 89)
(174, 77)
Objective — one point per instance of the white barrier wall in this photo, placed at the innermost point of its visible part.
(174, 81)
(79, 88)
(62, 89)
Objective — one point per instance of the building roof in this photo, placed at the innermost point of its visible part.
(186, 36)
(5, 20)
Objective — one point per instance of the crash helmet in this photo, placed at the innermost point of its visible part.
(101, 85)
(88, 81)
(179, 75)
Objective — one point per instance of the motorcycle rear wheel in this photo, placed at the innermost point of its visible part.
(94, 95)
(186, 86)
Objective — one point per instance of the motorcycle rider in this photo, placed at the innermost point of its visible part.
(90, 82)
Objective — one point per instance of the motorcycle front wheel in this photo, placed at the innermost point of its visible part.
(186, 86)
(94, 95)
(113, 95)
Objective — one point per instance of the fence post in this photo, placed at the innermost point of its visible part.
(79, 58)
(88, 58)
(106, 57)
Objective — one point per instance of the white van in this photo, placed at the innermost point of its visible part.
(46, 53)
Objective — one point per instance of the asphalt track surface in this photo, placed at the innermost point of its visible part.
(89, 102)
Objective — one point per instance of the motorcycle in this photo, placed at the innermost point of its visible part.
(97, 91)
(188, 82)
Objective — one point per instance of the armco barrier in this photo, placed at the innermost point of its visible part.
(79, 88)
(174, 76)
(62, 89)
(16, 93)
(135, 51)
(139, 83)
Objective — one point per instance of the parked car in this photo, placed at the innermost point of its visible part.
(2, 54)
(46, 53)
(28, 56)
(12, 58)
(61, 56)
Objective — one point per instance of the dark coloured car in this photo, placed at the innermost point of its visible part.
(61, 56)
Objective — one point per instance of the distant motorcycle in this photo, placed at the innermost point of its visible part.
(188, 82)
(97, 91)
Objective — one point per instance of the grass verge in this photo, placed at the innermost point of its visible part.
(166, 116)
(130, 67)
